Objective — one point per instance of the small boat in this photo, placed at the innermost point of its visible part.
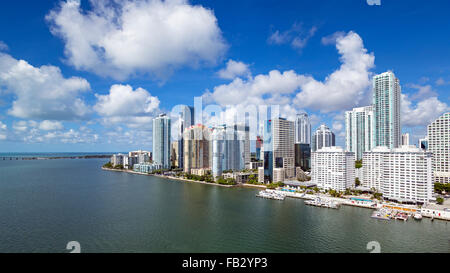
(418, 216)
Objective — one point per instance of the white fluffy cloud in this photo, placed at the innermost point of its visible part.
(48, 125)
(124, 105)
(42, 92)
(343, 89)
(234, 69)
(421, 113)
(122, 100)
(121, 38)
(346, 87)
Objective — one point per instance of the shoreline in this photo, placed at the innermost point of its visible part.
(170, 177)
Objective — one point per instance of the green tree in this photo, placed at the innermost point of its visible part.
(440, 200)
(358, 164)
(357, 182)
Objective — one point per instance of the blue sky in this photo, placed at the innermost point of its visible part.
(81, 77)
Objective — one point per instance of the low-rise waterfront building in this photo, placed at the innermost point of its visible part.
(117, 160)
(200, 171)
(240, 177)
(256, 164)
(147, 167)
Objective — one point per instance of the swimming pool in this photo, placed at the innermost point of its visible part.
(361, 199)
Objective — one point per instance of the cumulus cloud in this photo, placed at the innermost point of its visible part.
(424, 91)
(343, 89)
(297, 36)
(421, 113)
(122, 38)
(234, 69)
(122, 100)
(125, 105)
(346, 87)
(42, 92)
(48, 125)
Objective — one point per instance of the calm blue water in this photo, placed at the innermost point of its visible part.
(46, 204)
(20, 155)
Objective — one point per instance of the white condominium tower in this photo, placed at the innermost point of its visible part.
(359, 130)
(161, 141)
(386, 103)
(302, 129)
(405, 139)
(401, 174)
(333, 168)
(283, 138)
(323, 137)
(439, 145)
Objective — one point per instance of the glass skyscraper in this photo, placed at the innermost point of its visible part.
(323, 137)
(386, 103)
(161, 141)
(302, 129)
(186, 120)
(359, 130)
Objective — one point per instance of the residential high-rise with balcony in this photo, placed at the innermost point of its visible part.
(439, 145)
(386, 106)
(332, 168)
(402, 174)
(323, 137)
(161, 141)
(405, 139)
(197, 150)
(359, 130)
(302, 129)
(283, 146)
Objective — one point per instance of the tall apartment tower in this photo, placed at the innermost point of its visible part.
(439, 146)
(283, 147)
(402, 174)
(186, 120)
(359, 130)
(405, 139)
(161, 141)
(302, 129)
(386, 103)
(197, 150)
(333, 168)
(323, 137)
